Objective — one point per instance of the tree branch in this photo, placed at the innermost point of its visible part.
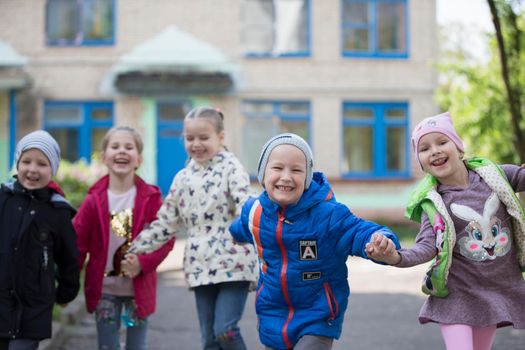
(512, 94)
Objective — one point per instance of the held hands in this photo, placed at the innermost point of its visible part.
(381, 248)
(130, 265)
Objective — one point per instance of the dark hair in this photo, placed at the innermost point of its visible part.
(213, 114)
(136, 137)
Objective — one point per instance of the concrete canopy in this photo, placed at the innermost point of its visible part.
(172, 61)
(11, 74)
(9, 57)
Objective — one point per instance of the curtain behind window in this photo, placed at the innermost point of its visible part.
(274, 27)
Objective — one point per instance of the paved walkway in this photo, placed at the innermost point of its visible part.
(382, 314)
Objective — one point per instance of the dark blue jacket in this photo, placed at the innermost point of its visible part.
(303, 248)
(38, 260)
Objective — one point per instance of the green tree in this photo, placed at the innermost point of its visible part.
(486, 97)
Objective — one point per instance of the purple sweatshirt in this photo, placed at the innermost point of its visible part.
(486, 285)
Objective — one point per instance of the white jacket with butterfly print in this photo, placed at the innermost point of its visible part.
(203, 201)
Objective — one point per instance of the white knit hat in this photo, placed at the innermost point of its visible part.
(286, 139)
(42, 141)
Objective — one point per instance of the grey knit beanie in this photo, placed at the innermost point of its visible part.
(286, 139)
(42, 141)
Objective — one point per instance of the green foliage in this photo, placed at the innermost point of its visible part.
(474, 93)
(56, 312)
(76, 178)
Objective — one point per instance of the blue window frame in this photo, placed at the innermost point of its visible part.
(78, 126)
(275, 28)
(80, 22)
(375, 28)
(12, 126)
(375, 140)
(264, 119)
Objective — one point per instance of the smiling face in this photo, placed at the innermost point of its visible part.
(440, 157)
(201, 139)
(285, 175)
(34, 169)
(121, 156)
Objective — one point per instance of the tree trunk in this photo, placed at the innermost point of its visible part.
(513, 93)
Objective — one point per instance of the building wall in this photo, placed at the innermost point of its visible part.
(326, 79)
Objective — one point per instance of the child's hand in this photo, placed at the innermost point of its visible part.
(381, 248)
(130, 265)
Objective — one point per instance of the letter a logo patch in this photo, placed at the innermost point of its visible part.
(308, 249)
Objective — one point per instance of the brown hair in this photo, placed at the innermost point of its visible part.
(136, 137)
(213, 114)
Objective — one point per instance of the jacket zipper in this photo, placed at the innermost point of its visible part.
(284, 284)
(45, 258)
(43, 276)
(332, 302)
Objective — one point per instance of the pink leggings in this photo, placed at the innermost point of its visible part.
(464, 337)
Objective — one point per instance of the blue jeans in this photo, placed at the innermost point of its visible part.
(220, 307)
(18, 344)
(311, 342)
(111, 311)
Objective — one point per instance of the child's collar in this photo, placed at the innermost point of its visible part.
(40, 194)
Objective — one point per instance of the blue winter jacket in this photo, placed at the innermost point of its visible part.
(303, 248)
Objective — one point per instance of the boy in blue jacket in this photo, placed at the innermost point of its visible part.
(303, 237)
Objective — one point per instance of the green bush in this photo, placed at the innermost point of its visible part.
(76, 178)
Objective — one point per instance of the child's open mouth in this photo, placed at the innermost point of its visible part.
(284, 188)
(199, 153)
(439, 162)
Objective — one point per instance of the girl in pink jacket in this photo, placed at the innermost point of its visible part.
(119, 286)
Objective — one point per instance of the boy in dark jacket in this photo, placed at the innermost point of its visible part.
(303, 237)
(38, 251)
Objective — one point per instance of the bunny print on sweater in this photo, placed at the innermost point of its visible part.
(487, 238)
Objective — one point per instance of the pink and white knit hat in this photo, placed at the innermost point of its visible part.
(441, 123)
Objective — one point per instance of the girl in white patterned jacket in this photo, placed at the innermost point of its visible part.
(203, 200)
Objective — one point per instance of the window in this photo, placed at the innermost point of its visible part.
(275, 28)
(262, 120)
(78, 126)
(80, 22)
(374, 28)
(375, 140)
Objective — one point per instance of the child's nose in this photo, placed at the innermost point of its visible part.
(287, 174)
(435, 149)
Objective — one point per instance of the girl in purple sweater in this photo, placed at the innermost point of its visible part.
(473, 226)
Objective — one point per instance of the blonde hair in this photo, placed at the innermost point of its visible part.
(214, 115)
(136, 137)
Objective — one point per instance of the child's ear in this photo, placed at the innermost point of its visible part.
(139, 161)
